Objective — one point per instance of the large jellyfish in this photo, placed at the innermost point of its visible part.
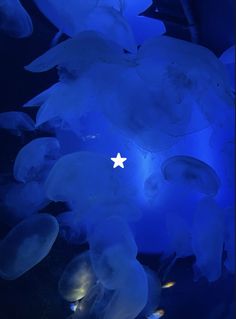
(192, 73)
(16, 122)
(35, 159)
(85, 180)
(26, 245)
(14, 20)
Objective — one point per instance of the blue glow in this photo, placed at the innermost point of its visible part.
(168, 107)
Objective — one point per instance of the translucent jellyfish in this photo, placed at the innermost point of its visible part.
(193, 172)
(16, 122)
(85, 180)
(23, 200)
(89, 15)
(192, 74)
(77, 279)
(127, 93)
(111, 246)
(26, 245)
(14, 20)
(36, 158)
(78, 53)
(208, 239)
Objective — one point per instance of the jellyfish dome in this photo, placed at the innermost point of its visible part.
(26, 245)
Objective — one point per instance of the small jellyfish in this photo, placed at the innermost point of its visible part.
(26, 245)
(208, 239)
(35, 159)
(16, 122)
(77, 279)
(193, 172)
(14, 20)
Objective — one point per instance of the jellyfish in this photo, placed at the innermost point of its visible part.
(16, 122)
(77, 279)
(193, 172)
(35, 159)
(192, 73)
(14, 20)
(208, 239)
(72, 96)
(86, 180)
(26, 245)
(91, 15)
(79, 53)
(23, 200)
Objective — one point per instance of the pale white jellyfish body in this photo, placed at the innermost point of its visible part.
(16, 122)
(26, 245)
(77, 279)
(35, 158)
(14, 20)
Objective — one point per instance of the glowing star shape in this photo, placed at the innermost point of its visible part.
(118, 161)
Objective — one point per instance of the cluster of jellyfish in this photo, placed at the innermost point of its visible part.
(165, 104)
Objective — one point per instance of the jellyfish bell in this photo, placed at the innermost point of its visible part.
(77, 279)
(90, 15)
(36, 158)
(193, 172)
(16, 122)
(26, 245)
(78, 53)
(85, 180)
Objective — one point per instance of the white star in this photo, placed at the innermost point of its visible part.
(118, 161)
